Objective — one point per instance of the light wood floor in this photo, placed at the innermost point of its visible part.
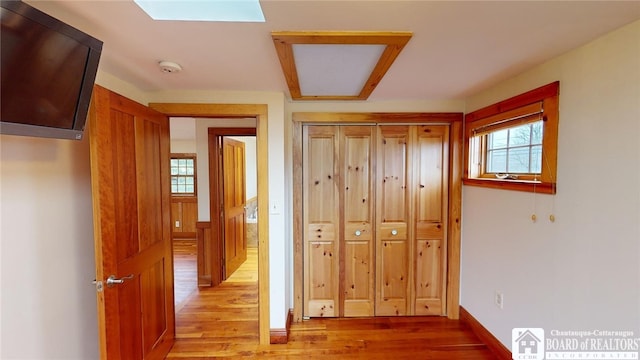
(222, 322)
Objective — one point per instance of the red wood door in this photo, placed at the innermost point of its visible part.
(132, 230)
(235, 239)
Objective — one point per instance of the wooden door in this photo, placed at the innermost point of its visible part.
(392, 223)
(233, 187)
(357, 269)
(320, 221)
(131, 195)
(431, 169)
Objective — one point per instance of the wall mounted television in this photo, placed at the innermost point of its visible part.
(48, 72)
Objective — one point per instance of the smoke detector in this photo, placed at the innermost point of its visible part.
(169, 67)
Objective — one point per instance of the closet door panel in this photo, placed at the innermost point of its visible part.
(432, 167)
(357, 264)
(392, 249)
(429, 277)
(392, 278)
(321, 221)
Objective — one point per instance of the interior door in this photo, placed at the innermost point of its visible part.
(233, 170)
(131, 205)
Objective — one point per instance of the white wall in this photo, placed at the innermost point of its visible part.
(581, 272)
(47, 260)
(183, 147)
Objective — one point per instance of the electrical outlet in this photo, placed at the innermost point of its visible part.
(499, 299)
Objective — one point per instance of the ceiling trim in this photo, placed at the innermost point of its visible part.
(284, 41)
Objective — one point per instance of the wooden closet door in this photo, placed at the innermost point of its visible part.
(392, 224)
(431, 169)
(321, 221)
(357, 195)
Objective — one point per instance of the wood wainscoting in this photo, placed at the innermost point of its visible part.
(209, 268)
(184, 216)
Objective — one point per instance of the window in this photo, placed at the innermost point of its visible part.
(183, 174)
(513, 144)
(515, 150)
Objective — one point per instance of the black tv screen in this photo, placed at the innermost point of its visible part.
(48, 72)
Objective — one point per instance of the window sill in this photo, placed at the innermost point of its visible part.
(517, 185)
(183, 198)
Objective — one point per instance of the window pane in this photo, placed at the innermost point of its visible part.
(536, 132)
(518, 160)
(183, 176)
(498, 139)
(536, 159)
(520, 135)
(497, 161)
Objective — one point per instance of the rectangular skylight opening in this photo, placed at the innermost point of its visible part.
(203, 10)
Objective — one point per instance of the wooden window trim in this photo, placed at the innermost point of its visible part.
(548, 97)
(195, 175)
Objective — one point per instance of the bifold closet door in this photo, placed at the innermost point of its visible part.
(375, 205)
(392, 223)
(431, 164)
(338, 221)
(357, 262)
(321, 246)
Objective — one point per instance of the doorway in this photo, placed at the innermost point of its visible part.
(259, 113)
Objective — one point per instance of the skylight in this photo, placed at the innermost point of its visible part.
(203, 10)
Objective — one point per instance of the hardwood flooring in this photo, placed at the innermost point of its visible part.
(222, 322)
(185, 271)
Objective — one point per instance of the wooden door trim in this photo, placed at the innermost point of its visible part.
(259, 112)
(454, 120)
(215, 187)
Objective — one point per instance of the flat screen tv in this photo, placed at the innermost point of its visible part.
(48, 72)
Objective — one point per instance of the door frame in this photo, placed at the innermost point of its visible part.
(454, 120)
(216, 184)
(259, 112)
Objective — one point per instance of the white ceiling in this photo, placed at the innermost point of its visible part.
(457, 49)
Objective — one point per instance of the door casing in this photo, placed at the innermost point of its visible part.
(259, 112)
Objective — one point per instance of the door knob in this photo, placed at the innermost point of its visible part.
(394, 232)
(111, 280)
(358, 233)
